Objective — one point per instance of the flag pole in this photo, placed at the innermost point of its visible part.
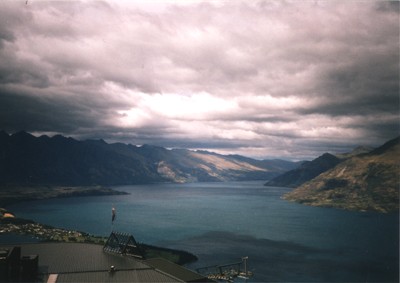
(113, 216)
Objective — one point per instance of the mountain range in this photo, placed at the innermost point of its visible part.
(364, 179)
(359, 181)
(58, 160)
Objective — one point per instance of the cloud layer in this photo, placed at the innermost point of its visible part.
(259, 78)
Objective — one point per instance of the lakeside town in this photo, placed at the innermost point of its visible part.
(9, 224)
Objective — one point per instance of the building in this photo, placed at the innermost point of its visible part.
(82, 262)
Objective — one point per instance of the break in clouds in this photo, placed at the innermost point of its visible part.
(259, 78)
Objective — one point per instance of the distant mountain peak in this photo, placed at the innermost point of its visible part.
(22, 134)
(326, 155)
(305, 172)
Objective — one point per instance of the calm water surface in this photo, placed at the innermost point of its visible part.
(222, 222)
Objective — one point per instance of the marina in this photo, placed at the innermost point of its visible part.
(227, 272)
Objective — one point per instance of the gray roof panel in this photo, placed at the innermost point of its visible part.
(77, 262)
(143, 275)
(175, 270)
(75, 257)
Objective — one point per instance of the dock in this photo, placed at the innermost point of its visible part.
(227, 272)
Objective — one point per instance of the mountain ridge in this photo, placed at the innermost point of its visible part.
(58, 160)
(305, 172)
(365, 182)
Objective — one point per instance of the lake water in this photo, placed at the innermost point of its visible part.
(222, 222)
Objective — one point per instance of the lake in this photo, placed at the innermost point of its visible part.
(222, 222)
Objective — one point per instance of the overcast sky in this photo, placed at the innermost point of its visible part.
(264, 79)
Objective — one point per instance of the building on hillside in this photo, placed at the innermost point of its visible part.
(124, 244)
(120, 260)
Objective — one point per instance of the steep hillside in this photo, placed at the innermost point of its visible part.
(29, 160)
(25, 159)
(307, 171)
(202, 166)
(364, 182)
(357, 151)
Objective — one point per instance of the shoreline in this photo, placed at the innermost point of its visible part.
(12, 194)
(10, 224)
(47, 233)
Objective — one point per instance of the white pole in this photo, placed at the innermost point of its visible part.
(245, 264)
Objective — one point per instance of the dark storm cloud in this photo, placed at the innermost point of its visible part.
(365, 86)
(388, 6)
(5, 35)
(40, 114)
(19, 71)
(265, 78)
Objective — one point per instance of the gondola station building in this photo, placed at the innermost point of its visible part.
(119, 260)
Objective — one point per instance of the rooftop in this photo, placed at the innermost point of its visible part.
(81, 262)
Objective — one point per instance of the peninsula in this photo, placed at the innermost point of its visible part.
(9, 224)
(16, 193)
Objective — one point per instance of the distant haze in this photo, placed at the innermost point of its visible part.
(264, 79)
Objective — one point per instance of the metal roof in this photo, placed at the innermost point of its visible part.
(76, 257)
(146, 275)
(176, 270)
(78, 262)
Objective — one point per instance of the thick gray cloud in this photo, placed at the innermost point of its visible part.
(261, 78)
